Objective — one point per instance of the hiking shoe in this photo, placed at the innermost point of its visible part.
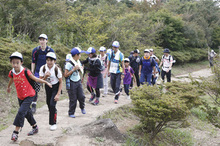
(128, 97)
(116, 101)
(96, 102)
(72, 116)
(33, 109)
(83, 111)
(92, 97)
(53, 127)
(14, 136)
(33, 131)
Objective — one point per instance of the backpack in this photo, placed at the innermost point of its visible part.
(68, 78)
(55, 69)
(48, 49)
(102, 67)
(34, 84)
(174, 61)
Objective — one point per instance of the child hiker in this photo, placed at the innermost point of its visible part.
(51, 73)
(95, 79)
(75, 92)
(128, 73)
(25, 93)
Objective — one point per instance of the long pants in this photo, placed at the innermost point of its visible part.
(115, 83)
(97, 91)
(105, 81)
(145, 78)
(126, 88)
(24, 112)
(154, 80)
(168, 75)
(50, 94)
(75, 93)
(136, 74)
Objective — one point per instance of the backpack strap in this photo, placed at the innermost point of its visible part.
(26, 75)
(44, 69)
(48, 48)
(56, 71)
(11, 74)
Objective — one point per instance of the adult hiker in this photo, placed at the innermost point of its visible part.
(103, 57)
(38, 60)
(167, 62)
(95, 79)
(116, 69)
(147, 65)
(211, 56)
(154, 56)
(134, 63)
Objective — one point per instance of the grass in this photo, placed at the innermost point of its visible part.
(199, 113)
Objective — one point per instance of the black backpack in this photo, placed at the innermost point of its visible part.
(34, 84)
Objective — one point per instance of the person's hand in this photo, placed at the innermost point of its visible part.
(47, 74)
(155, 75)
(77, 67)
(49, 84)
(9, 90)
(167, 70)
(139, 73)
(56, 98)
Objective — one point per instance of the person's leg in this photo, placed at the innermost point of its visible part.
(163, 74)
(137, 78)
(113, 81)
(132, 79)
(168, 76)
(96, 102)
(126, 88)
(117, 85)
(34, 103)
(105, 85)
(72, 98)
(80, 96)
(142, 79)
(148, 78)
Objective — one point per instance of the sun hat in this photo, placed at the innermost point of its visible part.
(166, 50)
(16, 55)
(43, 36)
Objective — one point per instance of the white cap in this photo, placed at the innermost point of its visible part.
(102, 49)
(43, 36)
(68, 57)
(126, 59)
(212, 50)
(51, 55)
(151, 50)
(16, 55)
(146, 51)
(115, 44)
(109, 51)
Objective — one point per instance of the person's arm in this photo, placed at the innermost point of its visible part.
(56, 98)
(154, 71)
(32, 67)
(140, 67)
(107, 70)
(31, 76)
(9, 85)
(161, 63)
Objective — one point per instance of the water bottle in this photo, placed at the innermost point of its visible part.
(67, 83)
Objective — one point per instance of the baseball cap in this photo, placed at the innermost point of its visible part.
(43, 36)
(16, 55)
(146, 51)
(76, 50)
(126, 60)
(136, 51)
(151, 50)
(68, 56)
(102, 49)
(90, 50)
(109, 51)
(115, 44)
(51, 55)
(166, 50)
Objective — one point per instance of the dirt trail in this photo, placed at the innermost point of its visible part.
(64, 123)
(60, 136)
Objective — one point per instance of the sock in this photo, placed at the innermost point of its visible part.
(16, 132)
(34, 126)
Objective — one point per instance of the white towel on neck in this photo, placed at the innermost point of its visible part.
(77, 63)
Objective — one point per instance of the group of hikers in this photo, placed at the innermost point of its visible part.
(108, 63)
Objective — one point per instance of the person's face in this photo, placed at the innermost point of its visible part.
(16, 64)
(43, 42)
(115, 49)
(135, 54)
(166, 54)
(146, 54)
(102, 53)
(126, 63)
(78, 56)
(151, 53)
(90, 55)
(50, 62)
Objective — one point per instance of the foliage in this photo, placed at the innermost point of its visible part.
(156, 109)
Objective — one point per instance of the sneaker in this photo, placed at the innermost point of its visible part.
(96, 102)
(92, 97)
(116, 101)
(128, 97)
(14, 136)
(72, 116)
(83, 111)
(33, 109)
(53, 127)
(33, 131)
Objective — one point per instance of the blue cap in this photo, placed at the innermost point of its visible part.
(115, 44)
(166, 50)
(90, 50)
(75, 51)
